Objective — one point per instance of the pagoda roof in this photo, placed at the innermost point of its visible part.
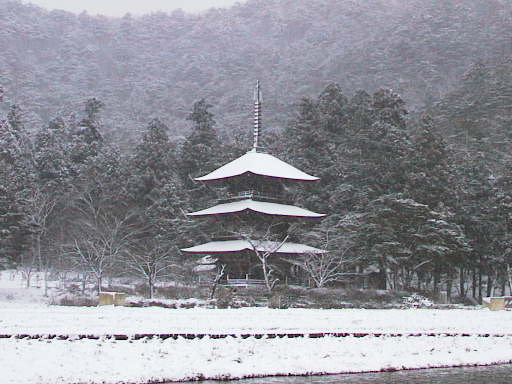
(257, 206)
(258, 163)
(245, 245)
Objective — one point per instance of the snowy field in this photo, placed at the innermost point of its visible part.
(45, 361)
(44, 319)
(144, 361)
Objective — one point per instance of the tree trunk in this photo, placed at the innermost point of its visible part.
(218, 277)
(214, 288)
(449, 284)
(480, 283)
(408, 279)
(461, 282)
(266, 276)
(509, 278)
(383, 276)
(473, 287)
(490, 283)
(151, 285)
(437, 278)
(84, 282)
(46, 279)
(28, 277)
(38, 252)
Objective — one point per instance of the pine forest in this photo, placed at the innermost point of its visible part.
(403, 109)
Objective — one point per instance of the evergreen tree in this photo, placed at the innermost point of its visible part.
(311, 142)
(87, 140)
(332, 104)
(15, 172)
(200, 153)
(14, 119)
(430, 174)
(373, 158)
(407, 238)
(390, 108)
(501, 216)
(202, 150)
(52, 157)
(152, 164)
(304, 140)
(476, 181)
(15, 229)
(156, 189)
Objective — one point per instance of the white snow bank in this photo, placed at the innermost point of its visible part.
(13, 288)
(139, 361)
(142, 361)
(16, 318)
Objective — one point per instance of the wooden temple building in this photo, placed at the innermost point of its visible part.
(255, 212)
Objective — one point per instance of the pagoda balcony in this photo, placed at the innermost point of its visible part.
(255, 195)
(224, 236)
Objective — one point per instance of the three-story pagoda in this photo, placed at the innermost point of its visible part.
(256, 211)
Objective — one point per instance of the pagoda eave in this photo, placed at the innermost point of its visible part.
(254, 173)
(263, 207)
(237, 246)
(257, 163)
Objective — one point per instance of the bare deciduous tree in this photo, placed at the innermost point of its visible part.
(264, 247)
(41, 205)
(100, 238)
(151, 260)
(219, 273)
(327, 267)
(27, 266)
(264, 250)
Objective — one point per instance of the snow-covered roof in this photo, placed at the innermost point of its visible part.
(257, 206)
(261, 246)
(258, 163)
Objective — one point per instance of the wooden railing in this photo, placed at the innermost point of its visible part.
(251, 194)
(221, 236)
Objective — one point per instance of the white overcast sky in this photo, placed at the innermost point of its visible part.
(135, 7)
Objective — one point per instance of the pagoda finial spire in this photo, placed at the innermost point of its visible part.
(257, 115)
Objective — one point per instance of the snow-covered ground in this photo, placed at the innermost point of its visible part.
(52, 361)
(44, 319)
(144, 361)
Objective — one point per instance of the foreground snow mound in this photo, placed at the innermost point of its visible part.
(143, 361)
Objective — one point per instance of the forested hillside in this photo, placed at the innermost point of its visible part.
(416, 180)
(477, 114)
(158, 65)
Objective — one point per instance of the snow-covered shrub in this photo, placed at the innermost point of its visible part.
(416, 301)
(173, 291)
(137, 301)
(279, 301)
(75, 301)
(224, 297)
